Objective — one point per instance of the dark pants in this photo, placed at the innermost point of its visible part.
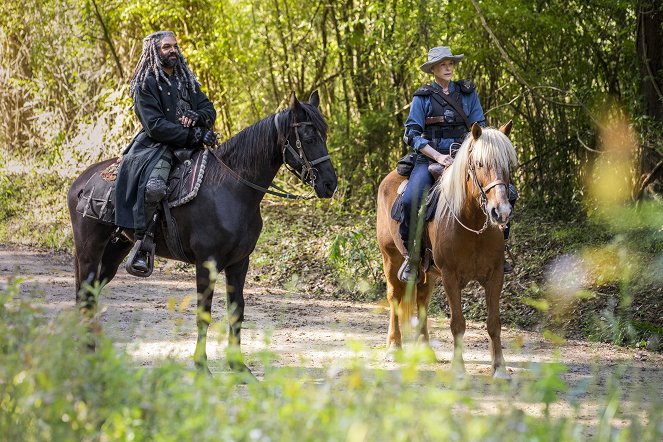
(420, 182)
(161, 170)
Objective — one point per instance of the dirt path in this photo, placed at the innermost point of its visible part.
(154, 319)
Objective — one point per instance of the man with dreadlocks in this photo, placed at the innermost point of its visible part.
(175, 114)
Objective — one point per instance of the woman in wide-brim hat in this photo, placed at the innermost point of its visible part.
(433, 130)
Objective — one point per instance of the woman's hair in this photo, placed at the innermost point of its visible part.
(150, 62)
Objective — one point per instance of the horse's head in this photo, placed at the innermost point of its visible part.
(490, 157)
(303, 139)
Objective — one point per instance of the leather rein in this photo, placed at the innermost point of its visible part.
(482, 199)
(307, 173)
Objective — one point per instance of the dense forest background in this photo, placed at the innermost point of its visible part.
(581, 81)
(562, 70)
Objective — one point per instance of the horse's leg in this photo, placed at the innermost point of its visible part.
(114, 253)
(493, 290)
(91, 240)
(453, 290)
(205, 289)
(424, 293)
(395, 293)
(235, 277)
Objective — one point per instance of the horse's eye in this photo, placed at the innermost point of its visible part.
(479, 164)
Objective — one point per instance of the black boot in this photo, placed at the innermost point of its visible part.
(140, 262)
(408, 269)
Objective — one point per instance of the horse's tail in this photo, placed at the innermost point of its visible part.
(408, 312)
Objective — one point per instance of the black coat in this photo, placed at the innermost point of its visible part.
(155, 109)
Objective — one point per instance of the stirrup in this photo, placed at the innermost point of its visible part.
(406, 270)
(143, 245)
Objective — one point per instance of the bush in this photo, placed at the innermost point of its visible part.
(52, 388)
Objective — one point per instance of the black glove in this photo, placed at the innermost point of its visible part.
(192, 115)
(202, 137)
(209, 138)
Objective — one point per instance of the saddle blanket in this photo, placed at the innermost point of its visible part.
(97, 200)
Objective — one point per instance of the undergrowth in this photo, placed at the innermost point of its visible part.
(323, 248)
(53, 388)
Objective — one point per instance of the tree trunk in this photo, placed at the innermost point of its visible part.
(650, 56)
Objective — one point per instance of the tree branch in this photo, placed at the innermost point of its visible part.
(108, 38)
(505, 56)
(648, 179)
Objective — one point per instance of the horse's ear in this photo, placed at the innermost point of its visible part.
(314, 99)
(506, 129)
(294, 102)
(476, 131)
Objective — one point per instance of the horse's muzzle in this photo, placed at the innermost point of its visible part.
(326, 189)
(500, 214)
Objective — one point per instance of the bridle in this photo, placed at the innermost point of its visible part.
(483, 197)
(307, 173)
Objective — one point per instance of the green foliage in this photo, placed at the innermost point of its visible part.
(52, 388)
(67, 82)
(356, 259)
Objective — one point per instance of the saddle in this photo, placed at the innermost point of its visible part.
(397, 212)
(97, 199)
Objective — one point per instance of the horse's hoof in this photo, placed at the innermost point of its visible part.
(243, 372)
(458, 370)
(428, 353)
(203, 368)
(391, 353)
(502, 373)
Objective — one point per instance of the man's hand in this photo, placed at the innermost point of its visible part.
(209, 138)
(203, 137)
(190, 118)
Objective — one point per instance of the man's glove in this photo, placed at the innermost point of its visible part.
(192, 115)
(189, 118)
(203, 136)
(209, 138)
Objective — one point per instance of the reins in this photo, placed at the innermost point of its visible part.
(482, 199)
(307, 174)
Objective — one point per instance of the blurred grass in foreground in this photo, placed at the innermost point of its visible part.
(51, 388)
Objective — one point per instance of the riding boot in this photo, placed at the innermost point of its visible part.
(141, 257)
(409, 270)
(140, 263)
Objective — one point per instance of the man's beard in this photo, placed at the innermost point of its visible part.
(169, 61)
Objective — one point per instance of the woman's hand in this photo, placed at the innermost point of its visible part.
(445, 160)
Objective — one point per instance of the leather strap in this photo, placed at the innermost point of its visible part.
(434, 120)
(453, 104)
(171, 235)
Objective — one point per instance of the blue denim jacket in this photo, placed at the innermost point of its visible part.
(421, 108)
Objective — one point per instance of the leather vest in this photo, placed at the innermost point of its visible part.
(450, 124)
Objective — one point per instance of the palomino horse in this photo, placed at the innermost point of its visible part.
(223, 222)
(465, 236)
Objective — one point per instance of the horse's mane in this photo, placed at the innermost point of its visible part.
(493, 149)
(249, 150)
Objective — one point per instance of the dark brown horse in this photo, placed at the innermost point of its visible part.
(466, 241)
(222, 224)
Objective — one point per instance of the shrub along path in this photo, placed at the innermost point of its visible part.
(154, 319)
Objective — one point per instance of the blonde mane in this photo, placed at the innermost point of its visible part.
(493, 149)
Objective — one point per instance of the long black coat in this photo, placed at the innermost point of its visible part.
(155, 109)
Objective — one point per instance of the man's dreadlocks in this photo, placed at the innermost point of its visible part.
(151, 62)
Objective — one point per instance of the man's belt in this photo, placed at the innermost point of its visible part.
(434, 120)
